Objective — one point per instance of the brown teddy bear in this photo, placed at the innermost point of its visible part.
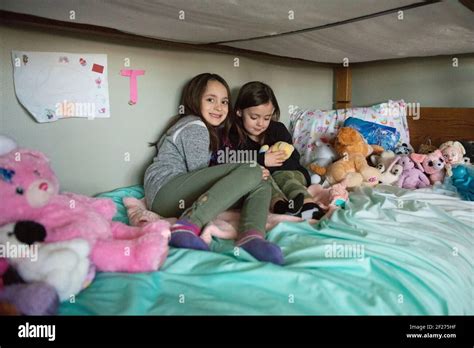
(353, 168)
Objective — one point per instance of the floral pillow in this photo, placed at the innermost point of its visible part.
(309, 126)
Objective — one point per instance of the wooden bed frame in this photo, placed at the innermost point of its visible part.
(435, 124)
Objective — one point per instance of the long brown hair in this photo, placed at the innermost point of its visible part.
(251, 94)
(191, 103)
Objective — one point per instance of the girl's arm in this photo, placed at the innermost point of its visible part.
(193, 141)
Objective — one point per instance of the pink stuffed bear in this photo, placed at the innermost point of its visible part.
(411, 177)
(432, 164)
(29, 190)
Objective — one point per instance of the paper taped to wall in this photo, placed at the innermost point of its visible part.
(55, 85)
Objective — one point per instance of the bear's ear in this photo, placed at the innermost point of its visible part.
(36, 154)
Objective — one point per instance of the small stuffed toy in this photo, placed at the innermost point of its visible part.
(411, 177)
(403, 149)
(432, 164)
(453, 153)
(63, 265)
(353, 166)
(30, 191)
(426, 147)
(383, 161)
(19, 298)
(463, 180)
(392, 173)
(324, 156)
(329, 199)
(279, 146)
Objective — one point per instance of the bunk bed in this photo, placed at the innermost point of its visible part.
(415, 246)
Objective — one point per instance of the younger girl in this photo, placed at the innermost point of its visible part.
(180, 183)
(253, 127)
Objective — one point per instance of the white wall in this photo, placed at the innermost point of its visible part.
(432, 81)
(88, 155)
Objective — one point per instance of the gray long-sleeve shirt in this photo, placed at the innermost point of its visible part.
(184, 148)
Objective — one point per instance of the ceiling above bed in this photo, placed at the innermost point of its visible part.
(317, 30)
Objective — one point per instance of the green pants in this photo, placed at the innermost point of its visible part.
(287, 184)
(201, 195)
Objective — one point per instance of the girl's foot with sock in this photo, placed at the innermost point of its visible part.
(185, 234)
(312, 211)
(263, 250)
(289, 208)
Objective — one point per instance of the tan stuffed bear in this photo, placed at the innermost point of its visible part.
(353, 168)
(279, 146)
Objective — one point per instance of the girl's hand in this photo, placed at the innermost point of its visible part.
(274, 159)
(265, 173)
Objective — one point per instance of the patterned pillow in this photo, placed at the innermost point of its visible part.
(311, 125)
(392, 114)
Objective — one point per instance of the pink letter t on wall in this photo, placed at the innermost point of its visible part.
(133, 82)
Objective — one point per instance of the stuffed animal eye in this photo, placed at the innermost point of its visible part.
(9, 234)
(19, 190)
(37, 173)
(430, 163)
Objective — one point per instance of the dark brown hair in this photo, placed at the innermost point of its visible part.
(251, 94)
(191, 102)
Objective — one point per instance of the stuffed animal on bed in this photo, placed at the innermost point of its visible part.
(329, 199)
(411, 177)
(352, 168)
(403, 149)
(63, 265)
(19, 298)
(29, 190)
(463, 180)
(279, 146)
(432, 164)
(453, 153)
(324, 155)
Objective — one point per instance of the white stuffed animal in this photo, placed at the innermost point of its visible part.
(391, 175)
(383, 161)
(63, 265)
(324, 155)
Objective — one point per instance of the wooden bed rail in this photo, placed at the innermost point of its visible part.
(436, 124)
(440, 125)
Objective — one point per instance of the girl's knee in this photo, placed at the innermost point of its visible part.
(252, 174)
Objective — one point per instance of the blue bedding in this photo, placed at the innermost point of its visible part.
(390, 252)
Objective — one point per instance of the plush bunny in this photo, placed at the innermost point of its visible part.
(432, 164)
(411, 177)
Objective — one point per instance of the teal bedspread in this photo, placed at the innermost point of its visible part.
(390, 252)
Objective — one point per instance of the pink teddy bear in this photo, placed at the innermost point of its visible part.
(432, 164)
(29, 190)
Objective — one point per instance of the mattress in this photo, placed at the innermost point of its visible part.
(390, 252)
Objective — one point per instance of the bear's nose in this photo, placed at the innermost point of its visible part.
(29, 232)
(43, 186)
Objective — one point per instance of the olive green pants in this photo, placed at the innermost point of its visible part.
(287, 184)
(201, 195)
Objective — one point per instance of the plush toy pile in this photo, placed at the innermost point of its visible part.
(354, 163)
(69, 235)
